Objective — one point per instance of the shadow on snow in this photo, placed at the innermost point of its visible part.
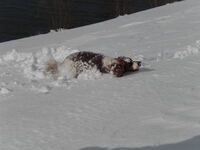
(191, 144)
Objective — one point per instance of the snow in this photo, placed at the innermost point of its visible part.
(191, 50)
(157, 108)
(4, 91)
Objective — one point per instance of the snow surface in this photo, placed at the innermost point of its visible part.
(157, 108)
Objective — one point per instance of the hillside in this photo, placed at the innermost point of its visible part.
(156, 108)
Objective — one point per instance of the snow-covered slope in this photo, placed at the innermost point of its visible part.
(156, 108)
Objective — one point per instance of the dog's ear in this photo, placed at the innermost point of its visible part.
(128, 63)
(118, 69)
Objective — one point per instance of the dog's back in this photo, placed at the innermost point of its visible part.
(87, 57)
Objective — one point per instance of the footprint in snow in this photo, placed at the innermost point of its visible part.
(42, 89)
(5, 91)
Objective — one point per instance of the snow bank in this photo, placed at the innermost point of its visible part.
(33, 64)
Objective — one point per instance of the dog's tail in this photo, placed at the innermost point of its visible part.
(52, 66)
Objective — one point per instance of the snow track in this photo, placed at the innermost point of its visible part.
(32, 65)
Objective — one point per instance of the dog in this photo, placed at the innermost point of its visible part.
(76, 63)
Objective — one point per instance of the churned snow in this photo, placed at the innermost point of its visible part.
(4, 91)
(157, 108)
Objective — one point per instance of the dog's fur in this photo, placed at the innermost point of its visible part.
(76, 63)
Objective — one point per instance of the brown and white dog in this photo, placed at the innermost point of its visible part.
(77, 62)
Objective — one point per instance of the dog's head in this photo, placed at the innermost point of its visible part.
(129, 64)
(124, 64)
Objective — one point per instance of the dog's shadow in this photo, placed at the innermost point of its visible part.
(146, 69)
(141, 70)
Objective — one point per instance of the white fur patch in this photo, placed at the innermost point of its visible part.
(107, 61)
(67, 69)
(128, 60)
(135, 66)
